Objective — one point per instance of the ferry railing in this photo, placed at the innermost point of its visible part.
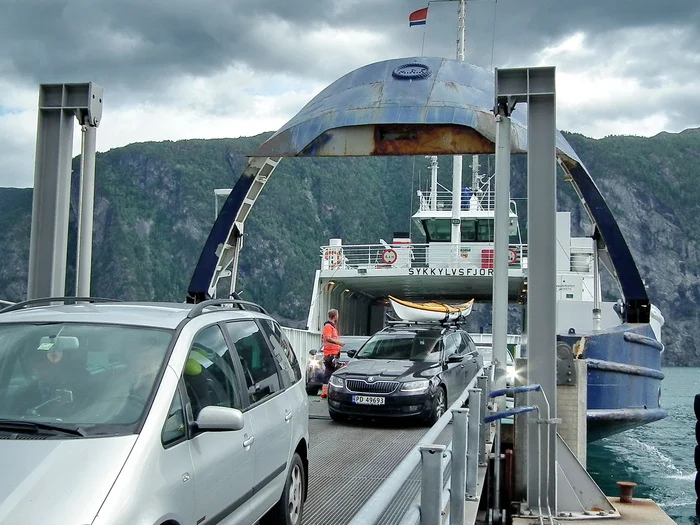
(436, 255)
(302, 341)
(466, 451)
(581, 262)
(481, 201)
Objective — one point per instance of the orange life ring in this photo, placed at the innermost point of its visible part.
(333, 257)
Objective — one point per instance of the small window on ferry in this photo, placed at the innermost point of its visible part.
(437, 229)
(469, 230)
(485, 230)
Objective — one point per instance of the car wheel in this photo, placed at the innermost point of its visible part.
(337, 416)
(311, 390)
(439, 406)
(288, 510)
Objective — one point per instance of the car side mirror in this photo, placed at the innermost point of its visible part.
(312, 352)
(351, 353)
(455, 358)
(219, 418)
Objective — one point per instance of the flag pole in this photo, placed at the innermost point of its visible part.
(456, 223)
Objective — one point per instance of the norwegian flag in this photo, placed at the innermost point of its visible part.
(418, 18)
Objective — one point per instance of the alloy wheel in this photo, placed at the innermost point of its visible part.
(296, 495)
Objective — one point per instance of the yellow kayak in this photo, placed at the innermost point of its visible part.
(430, 311)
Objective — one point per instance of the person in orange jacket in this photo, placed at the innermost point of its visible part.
(331, 348)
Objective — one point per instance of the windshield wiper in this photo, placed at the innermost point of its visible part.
(34, 427)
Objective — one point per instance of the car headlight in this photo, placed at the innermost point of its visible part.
(415, 386)
(510, 373)
(336, 382)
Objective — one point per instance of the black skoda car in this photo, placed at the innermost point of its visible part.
(405, 370)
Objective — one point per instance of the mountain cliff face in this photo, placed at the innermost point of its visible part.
(154, 206)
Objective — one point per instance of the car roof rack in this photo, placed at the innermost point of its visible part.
(44, 300)
(198, 309)
(444, 324)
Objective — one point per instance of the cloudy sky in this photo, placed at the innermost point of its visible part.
(176, 69)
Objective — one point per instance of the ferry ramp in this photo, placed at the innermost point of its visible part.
(349, 461)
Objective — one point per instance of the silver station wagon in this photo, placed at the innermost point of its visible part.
(146, 413)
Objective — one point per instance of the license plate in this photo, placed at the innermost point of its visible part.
(367, 400)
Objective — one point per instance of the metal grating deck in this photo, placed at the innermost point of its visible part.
(348, 461)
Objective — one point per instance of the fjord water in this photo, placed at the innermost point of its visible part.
(659, 456)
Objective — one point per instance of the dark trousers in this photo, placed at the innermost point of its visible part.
(328, 367)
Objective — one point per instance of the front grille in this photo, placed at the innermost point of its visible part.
(376, 387)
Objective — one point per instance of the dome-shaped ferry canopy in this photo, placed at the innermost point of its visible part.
(403, 106)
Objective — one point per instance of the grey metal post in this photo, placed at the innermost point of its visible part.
(500, 267)
(431, 484)
(458, 482)
(536, 87)
(83, 267)
(484, 434)
(59, 104)
(474, 445)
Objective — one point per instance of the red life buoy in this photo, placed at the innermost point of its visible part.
(389, 256)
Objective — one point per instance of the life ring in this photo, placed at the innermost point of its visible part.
(512, 256)
(333, 257)
(389, 256)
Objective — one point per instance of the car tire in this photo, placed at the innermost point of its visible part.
(337, 416)
(289, 509)
(312, 390)
(439, 406)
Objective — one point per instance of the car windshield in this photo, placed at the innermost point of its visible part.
(353, 343)
(413, 346)
(98, 378)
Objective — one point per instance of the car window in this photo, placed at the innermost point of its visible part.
(209, 375)
(282, 345)
(466, 345)
(452, 344)
(174, 428)
(259, 368)
(97, 377)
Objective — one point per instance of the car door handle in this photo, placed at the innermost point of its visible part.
(462, 365)
(287, 416)
(249, 441)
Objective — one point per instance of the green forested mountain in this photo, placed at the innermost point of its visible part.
(154, 206)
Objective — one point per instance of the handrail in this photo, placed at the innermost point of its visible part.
(377, 504)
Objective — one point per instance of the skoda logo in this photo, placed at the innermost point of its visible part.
(370, 379)
(412, 70)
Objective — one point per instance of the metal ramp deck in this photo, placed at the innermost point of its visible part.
(348, 461)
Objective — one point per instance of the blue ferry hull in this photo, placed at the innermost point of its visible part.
(624, 378)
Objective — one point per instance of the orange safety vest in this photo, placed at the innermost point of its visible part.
(330, 330)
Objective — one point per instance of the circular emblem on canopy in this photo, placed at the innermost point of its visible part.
(411, 70)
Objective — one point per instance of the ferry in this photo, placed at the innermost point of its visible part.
(623, 358)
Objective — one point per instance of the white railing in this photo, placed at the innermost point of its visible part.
(486, 339)
(302, 341)
(442, 201)
(581, 262)
(437, 255)
(459, 498)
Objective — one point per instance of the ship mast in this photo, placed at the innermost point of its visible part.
(455, 231)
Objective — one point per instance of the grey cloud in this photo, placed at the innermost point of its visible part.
(55, 40)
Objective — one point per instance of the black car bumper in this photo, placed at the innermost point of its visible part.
(396, 405)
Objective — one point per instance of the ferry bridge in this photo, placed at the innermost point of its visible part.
(412, 106)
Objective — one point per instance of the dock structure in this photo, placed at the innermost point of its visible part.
(452, 472)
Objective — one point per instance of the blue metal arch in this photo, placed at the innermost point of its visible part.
(372, 111)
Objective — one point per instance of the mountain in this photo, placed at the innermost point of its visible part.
(154, 206)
